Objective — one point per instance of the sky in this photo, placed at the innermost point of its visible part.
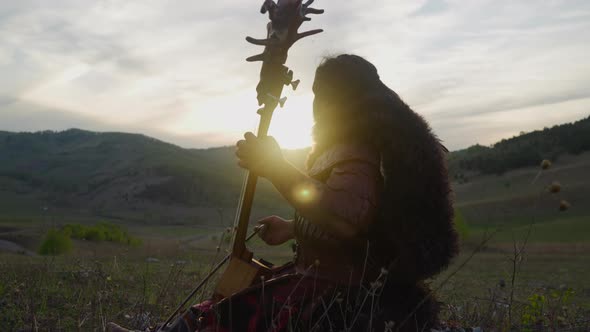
(478, 70)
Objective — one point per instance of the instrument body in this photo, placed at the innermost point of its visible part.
(286, 17)
(238, 275)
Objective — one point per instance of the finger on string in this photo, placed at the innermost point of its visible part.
(240, 153)
(240, 143)
(244, 146)
(243, 149)
(249, 136)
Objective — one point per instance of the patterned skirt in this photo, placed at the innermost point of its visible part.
(292, 301)
(289, 301)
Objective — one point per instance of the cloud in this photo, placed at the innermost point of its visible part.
(432, 7)
(489, 128)
(177, 68)
(27, 117)
(24, 116)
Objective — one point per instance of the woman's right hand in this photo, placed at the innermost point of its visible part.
(275, 230)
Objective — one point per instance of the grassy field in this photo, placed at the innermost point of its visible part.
(532, 273)
(84, 292)
(101, 282)
(565, 230)
(522, 196)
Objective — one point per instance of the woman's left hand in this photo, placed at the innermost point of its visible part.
(259, 155)
(275, 230)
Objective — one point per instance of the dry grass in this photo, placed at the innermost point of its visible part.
(517, 280)
(82, 291)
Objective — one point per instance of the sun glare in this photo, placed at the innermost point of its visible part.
(292, 126)
(292, 140)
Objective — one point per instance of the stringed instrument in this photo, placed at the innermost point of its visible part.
(286, 17)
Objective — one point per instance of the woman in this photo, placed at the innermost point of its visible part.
(373, 217)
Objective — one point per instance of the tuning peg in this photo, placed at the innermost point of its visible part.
(258, 57)
(305, 9)
(268, 5)
(295, 84)
(288, 80)
(280, 101)
(308, 33)
(313, 11)
(261, 42)
(288, 76)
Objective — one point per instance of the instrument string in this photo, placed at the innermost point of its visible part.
(241, 199)
(203, 282)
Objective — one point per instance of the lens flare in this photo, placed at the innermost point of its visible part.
(305, 193)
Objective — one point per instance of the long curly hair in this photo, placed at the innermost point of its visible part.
(414, 234)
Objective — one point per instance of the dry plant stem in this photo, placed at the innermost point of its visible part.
(372, 306)
(363, 274)
(343, 316)
(163, 290)
(361, 287)
(459, 268)
(360, 308)
(291, 293)
(346, 304)
(370, 292)
(325, 314)
(299, 313)
(315, 278)
(102, 319)
(145, 287)
(518, 252)
(537, 177)
(516, 259)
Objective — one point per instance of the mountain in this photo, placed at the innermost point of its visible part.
(121, 176)
(80, 174)
(527, 149)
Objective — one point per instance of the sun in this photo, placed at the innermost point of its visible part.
(292, 140)
(291, 127)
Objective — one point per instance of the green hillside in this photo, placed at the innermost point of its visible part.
(121, 176)
(527, 149)
(504, 185)
(179, 202)
(77, 174)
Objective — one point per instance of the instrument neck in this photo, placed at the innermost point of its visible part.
(239, 249)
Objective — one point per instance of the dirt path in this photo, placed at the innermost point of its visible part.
(14, 248)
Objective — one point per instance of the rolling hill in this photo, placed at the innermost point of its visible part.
(527, 149)
(119, 176)
(78, 174)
